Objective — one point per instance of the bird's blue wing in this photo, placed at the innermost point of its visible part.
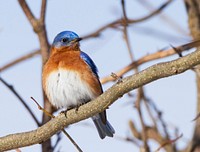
(90, 63)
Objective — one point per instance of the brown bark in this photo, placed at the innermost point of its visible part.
(127, 84)
(39, 27)
(193, 10)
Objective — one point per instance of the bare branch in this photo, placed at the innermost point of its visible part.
(151, 14)
(124, 10)
(63, 130)
(21, 100)
(18, 60)
(151, 57)
(140, 90)
(27, 12)
(193, 11)
(159, 113)
(176, 26)
(128, 139)
(125, 33)
(169, 142)
(43, 10)
(144, 128)
(179, 52)
(40, 29)
(120, 21)
(98, 105)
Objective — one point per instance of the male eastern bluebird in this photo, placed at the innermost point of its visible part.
(70, 78)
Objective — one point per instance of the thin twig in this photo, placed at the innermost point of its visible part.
(43, 10)
(39, 28)
(63, 130)
(20, 59)
(27, 11)
(11, 88)
(124, 10)
(179, 52)
(125, 33)
(128, 139)
(42, 109)
(168, 142)
(57, 140)
(153, 13)
(129, 83)
(120, 21)
(176, 26)
(153, 119)
(140, 90)
(151, 57)
(196, 117)
(159, 34)
(118, 79)
(71, 139)
(144, 130)
(159, 113)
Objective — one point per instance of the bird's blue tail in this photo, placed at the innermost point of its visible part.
(104, 128)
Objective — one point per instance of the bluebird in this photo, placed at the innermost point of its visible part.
(70, 78)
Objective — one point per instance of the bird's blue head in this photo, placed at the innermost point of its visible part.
(66, 38)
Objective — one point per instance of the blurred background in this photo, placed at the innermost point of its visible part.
(174, 96)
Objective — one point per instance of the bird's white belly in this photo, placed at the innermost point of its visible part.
(65, 89)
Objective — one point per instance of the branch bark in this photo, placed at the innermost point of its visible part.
(151, 57)
(21, 100)
(129, 83)
(120, 22)
(18, 60)
(193, 10)
(40, 29)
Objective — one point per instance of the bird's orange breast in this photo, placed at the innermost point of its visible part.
(71, 61)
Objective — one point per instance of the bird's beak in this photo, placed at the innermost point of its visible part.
(77, 40)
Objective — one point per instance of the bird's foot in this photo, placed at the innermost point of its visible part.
(77, 107)
(64, 112)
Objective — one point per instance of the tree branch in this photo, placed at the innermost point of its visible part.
(193, 11)
(43, 10)
(166, 18)
(21, 100)
(18, 60)
(39, 28)
(27, 12)
(98, 105)
(120, 21)
(151, 57)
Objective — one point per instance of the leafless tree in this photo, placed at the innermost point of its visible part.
(46, 130)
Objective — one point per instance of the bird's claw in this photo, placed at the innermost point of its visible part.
(64, 112)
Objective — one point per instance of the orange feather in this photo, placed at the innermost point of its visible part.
(71, 60)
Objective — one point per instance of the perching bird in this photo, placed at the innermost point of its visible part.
(70, 78)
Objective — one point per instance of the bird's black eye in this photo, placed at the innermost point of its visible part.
(64, 40)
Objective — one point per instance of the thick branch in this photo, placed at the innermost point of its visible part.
(38, 26)
(40, 29)
(129, 83)
(193, 10)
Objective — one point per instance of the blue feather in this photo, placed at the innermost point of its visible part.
(90, 63)
(69, 36)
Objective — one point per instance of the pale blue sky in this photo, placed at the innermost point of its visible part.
(175, 96)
